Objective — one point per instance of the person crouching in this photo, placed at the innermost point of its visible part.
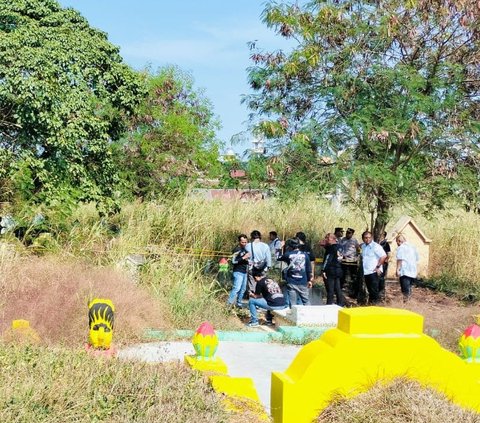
(268, 296)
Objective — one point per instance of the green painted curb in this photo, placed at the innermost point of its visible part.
(298, 333)
(283, 334)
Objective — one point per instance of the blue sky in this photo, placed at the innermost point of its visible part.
(207, 38)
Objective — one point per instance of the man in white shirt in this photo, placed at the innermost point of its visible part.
(373, 257)
(407, 258)
(275, 249)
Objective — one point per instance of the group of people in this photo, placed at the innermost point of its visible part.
(347, 264)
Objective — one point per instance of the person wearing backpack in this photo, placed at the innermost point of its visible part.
(260, 257)
(298, 272)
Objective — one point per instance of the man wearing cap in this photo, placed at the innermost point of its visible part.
(350, 249)
(373, 258)
(259, 257)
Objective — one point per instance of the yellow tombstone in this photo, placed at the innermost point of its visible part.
(22, 331)
(100, 323)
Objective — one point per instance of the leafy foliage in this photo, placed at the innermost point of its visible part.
(388, 90)
(172, 136)
(64, 94)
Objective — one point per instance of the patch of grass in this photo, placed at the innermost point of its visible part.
(300, 339)
(464, 289)
(401, 401)
(57, 385)
(189, 296)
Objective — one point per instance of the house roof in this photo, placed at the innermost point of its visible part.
(401, 224)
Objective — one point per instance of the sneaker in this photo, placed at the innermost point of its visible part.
(240, 305)
(252, 324)
(268, 323)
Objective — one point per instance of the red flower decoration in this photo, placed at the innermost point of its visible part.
(473, 331)
(207, 329)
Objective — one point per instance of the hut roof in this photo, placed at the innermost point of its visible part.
(401, 224)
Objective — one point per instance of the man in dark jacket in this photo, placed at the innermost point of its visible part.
(240, 265)
(332, 270)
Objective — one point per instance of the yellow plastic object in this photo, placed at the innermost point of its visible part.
(100, 323)
(21, 331)
(369, 344)
(241, 395)
(213, 365)
(241, 387)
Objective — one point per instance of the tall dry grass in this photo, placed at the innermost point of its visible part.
(53, 296)
(181, 238)
(455, 250)
(401, 401)
(58, 385)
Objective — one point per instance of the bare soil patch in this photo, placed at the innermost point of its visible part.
(445, 317)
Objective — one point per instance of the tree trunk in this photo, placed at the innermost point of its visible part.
(382, 217)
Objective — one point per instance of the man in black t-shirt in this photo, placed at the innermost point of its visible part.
(240, 264)
(268, 295)
(305, 247)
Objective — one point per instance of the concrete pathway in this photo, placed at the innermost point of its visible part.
(245, 359)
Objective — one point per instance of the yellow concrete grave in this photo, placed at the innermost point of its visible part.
(368, 345)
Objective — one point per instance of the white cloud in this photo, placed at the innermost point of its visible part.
(220, 45)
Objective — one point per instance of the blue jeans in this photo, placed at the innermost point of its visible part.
(239, 287)
(253, 303)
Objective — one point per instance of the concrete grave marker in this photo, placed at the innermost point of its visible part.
(314, 315)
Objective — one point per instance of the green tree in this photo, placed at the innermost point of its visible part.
(172, 136)
(386, 89)
(64, 95)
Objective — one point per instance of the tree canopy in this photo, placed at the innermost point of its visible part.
(64, 96)
(171, 138)
(387, 90)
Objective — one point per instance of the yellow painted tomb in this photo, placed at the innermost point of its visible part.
(369, 344)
